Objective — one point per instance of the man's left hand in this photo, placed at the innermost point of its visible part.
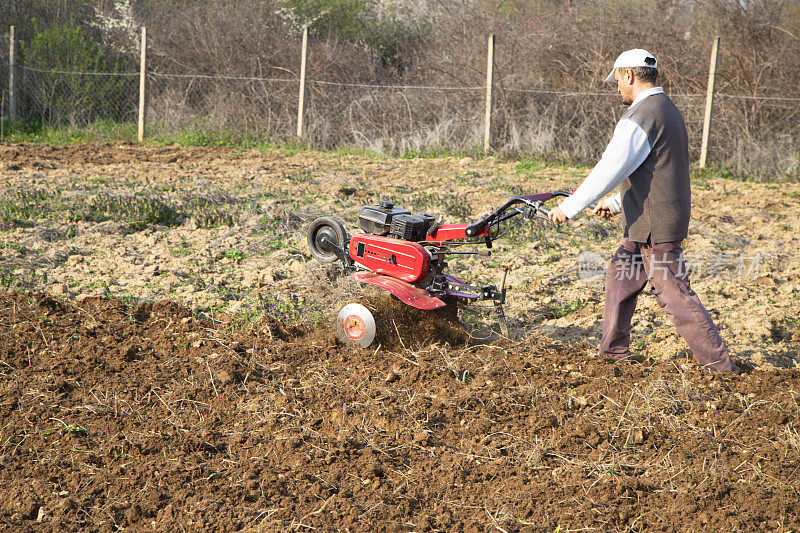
(557, 216)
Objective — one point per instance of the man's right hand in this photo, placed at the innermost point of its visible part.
(602, 210)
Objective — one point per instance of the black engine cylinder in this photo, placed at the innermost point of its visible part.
(409, 227)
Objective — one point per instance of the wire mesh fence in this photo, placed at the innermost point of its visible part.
(395, 118)
(4, 82)
(755, 133)
(251, 106)
(62, 97)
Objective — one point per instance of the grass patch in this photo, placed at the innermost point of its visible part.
(137, 211)
(185, 249)
(223, 138)
(533, 162)
(211, 216)
(453, 205)
(234, 255)
(246, 319)
(28, 280)
(562, 309)
(17, 131)
(24, 207)
(141, 210)
(724, 172)
(291, 309)
(359, 151)
(434, 153)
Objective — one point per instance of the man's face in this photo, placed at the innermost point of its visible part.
(624, 78)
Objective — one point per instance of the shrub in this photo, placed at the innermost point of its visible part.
(360, 22)
(57, 82)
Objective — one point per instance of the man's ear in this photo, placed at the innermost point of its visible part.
(629, 76)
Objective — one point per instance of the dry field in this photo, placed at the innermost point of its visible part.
(166, 359)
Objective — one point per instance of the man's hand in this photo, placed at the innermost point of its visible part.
(602, 210)
(557, 216)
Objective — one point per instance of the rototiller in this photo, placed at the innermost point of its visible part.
(405, 254)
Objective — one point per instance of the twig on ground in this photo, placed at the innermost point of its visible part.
(212, 379)
(398, 335)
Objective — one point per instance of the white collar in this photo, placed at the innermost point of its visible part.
(647, 92)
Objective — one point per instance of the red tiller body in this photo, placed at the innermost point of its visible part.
(407, 293)
(449, 232)
(403, 260)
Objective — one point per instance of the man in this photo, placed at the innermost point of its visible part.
(650, 149)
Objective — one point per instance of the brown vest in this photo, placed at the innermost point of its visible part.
(656, 197)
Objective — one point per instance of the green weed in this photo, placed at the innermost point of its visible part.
(533, 162)
(182, 251)
(101, 130)
(28, 280)
(246, 319)
(24, 207)
(431, 153)
(96, 284)
(300, 176)
(453, 205)
(136, 210)
(291, 309)
(552, 258)
(562, 309)
(234, 255)
(19, 248)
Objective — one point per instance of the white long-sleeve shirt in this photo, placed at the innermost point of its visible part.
(628, 149)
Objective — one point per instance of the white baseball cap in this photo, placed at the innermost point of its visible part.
(631, 59)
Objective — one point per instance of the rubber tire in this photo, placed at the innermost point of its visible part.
(332, 229)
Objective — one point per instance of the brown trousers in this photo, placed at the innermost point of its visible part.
(633, 265)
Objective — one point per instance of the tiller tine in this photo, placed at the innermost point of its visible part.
(498, 306)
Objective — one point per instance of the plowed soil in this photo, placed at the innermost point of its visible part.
(147, 418)
(165, 377)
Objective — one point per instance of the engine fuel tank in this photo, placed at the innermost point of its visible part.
(403, 260)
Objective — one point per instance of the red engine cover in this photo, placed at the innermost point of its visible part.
(403, 260)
